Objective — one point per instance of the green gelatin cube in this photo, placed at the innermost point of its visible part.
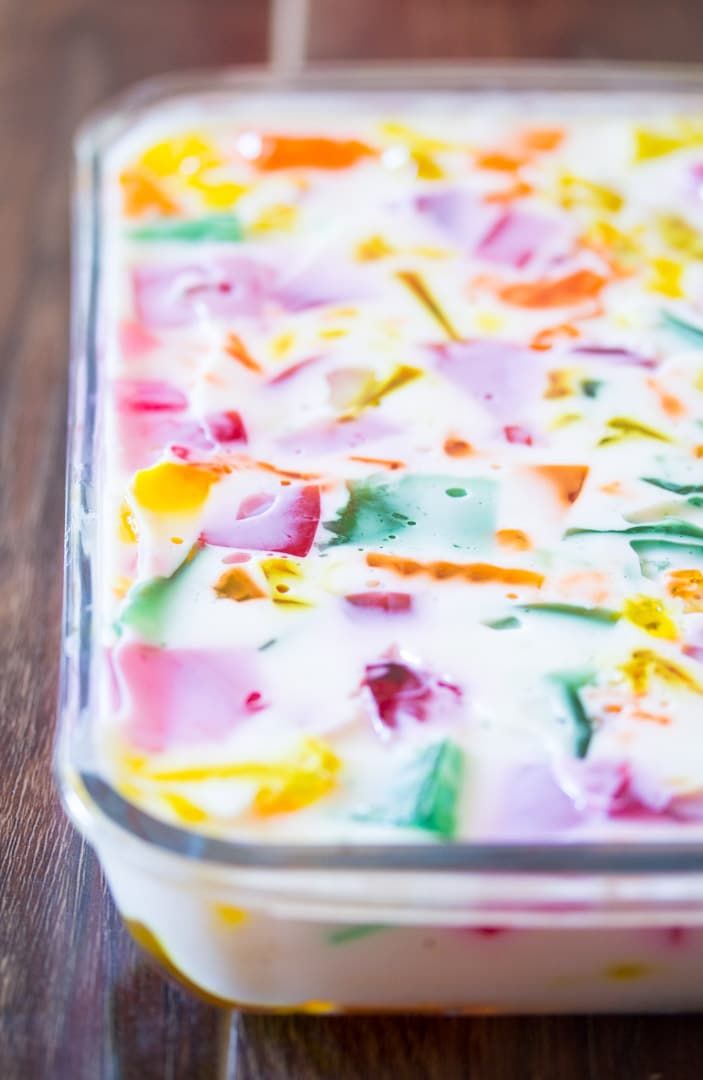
(568, 684)
(147, 606)
(593, 614)
(678, 489)
(671, 527)
(426, 794)
(346, 934)
(217, 228)
(591, 387)
(686, 330)
(656, 556)
(508, 622)
(459, 512)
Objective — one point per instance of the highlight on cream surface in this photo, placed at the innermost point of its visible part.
(400, 489)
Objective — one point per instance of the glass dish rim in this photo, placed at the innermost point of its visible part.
(87, 797)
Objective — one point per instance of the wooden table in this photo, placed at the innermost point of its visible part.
(77, 1002)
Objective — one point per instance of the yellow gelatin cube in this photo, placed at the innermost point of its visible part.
(284, 577)
(576, 191)
(375, 390)
(186, 155)
(427, 166)
(333, 333)
(282, 786)
(282, 344)
(231, 915)
(372, 248)
(430, 252)
(564, 420)
(173, 488)
(651, 616)
(559, 384)
(654, 144)
(121, 586)
(311, 775)
(625, 246)
(279, 218)
(489, 321)
(419, 142)
(217, 194)
(622, 427)
(679, 235)
(666, 278)
(127, 529)
(185, 809)
(644, 665)
(627, 972)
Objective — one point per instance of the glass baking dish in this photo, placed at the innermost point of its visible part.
(450, 928)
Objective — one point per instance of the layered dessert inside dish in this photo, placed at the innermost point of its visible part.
(400, 493)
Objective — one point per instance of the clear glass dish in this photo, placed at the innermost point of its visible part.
(467, 927)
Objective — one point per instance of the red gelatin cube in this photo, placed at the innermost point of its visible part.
(391, 602)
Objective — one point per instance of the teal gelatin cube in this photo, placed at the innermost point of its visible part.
(458, 512)
(690, 332)
(426, 794)
(568, 685)
(147, 605)
(656, 556)
(216, 228)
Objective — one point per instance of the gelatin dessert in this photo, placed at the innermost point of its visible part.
(396, 541)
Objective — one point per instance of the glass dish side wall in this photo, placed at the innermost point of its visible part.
(217, 942)
(203, 914)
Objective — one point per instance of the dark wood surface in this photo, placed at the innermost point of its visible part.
(76, 1000)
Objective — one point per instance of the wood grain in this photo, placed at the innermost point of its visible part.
(76, 1000)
